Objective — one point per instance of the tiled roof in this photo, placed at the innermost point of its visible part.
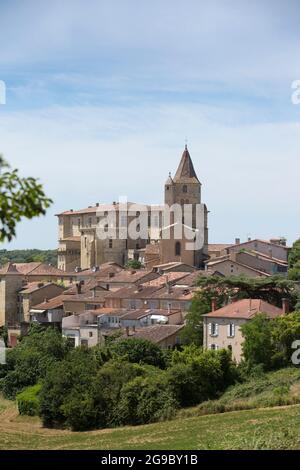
(216, 261)
(185, 172)
(55, 302)
(174, 293)
(171, 277)
(246, 308)
(156, 334)
(259, 240)
(32, 269)
(218, 246)
(133, 292)
(34, 286)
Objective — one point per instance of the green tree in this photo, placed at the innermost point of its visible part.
(285, 330)
(134, 264)
(258, 346)
(140, 351)
(19, 197)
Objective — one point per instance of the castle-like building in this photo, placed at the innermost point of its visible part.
(83, 246)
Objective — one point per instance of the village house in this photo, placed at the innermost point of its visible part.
(50, 312)
(222, 327)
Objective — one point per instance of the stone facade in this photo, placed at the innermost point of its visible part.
(81, 246)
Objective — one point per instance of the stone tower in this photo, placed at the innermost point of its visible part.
(184, 189)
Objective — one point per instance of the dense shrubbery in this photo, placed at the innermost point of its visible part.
(129, 381)
(29, 361)
(268, 343)
(28, 401)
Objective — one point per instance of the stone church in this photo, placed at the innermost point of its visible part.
(103, 233)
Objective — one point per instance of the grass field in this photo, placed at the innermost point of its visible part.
(274, 428)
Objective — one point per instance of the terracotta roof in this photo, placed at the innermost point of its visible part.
(218, 246)
(216, 261)
(185, 171)
(133, 292)
(259, 240)
(170, 277)
(111, 207)
(32, 269)
(246, 308)
(55, 302)
(191, 279)
(34, 286)
(156, 334)
(175, 293)
(133, 276)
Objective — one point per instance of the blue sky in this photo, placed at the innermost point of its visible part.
(102, 94)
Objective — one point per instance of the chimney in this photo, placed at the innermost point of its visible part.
(249, 239)
(46, 299)
(127, 330)
(213, 304)
(285, 306)
(78, 287)
(237, 241)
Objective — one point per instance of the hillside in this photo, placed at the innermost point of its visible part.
(273, 428)
(278, 388)
(27, 256)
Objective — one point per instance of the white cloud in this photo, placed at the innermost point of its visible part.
(85, 155)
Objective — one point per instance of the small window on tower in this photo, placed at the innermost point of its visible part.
(177, 249)
(110, 243)
(184, 189)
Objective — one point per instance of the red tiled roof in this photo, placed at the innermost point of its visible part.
(156, 334)
(55, 302)
(246, 308)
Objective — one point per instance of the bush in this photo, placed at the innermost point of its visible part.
(28, 401)
(198, 375)
(146, 400)
(140, 351)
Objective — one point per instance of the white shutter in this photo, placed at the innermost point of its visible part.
(233, 329)
(228, 330)
(217, 329)
(209, 328)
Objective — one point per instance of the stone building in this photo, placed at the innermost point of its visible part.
(103, 233)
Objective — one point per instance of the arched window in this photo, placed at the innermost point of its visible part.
(177, 249)
(184, 189)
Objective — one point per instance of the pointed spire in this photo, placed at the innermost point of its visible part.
(169, 180)
(185, 171)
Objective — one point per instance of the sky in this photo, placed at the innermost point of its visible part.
(101, 95)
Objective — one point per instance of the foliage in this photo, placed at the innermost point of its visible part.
(4, 334)
(197, 375)
(269, 342)
(271, 289)
(28, 401)
(294, 255)
(29, 360)
(257, 346)
(65, 388)
(28, 256)
(146, 400)
(133, 264)
(192, 333)
(139, 350)
(19, 198)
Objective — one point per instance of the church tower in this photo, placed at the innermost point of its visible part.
(184, 189)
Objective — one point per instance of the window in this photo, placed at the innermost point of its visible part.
(106, 228)
(85, 242)
(167, 188)
(90, 221)
(110, 243)
(184, 189)
(79, 223)
(177, 249)
(213, 329)
(84, 342)
(138, 228)
(137, 246)
(90, 334)
(231, 330)
(214, 347)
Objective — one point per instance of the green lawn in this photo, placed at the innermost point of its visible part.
(274, 428)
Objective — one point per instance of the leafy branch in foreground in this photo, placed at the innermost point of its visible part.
(19, 197)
